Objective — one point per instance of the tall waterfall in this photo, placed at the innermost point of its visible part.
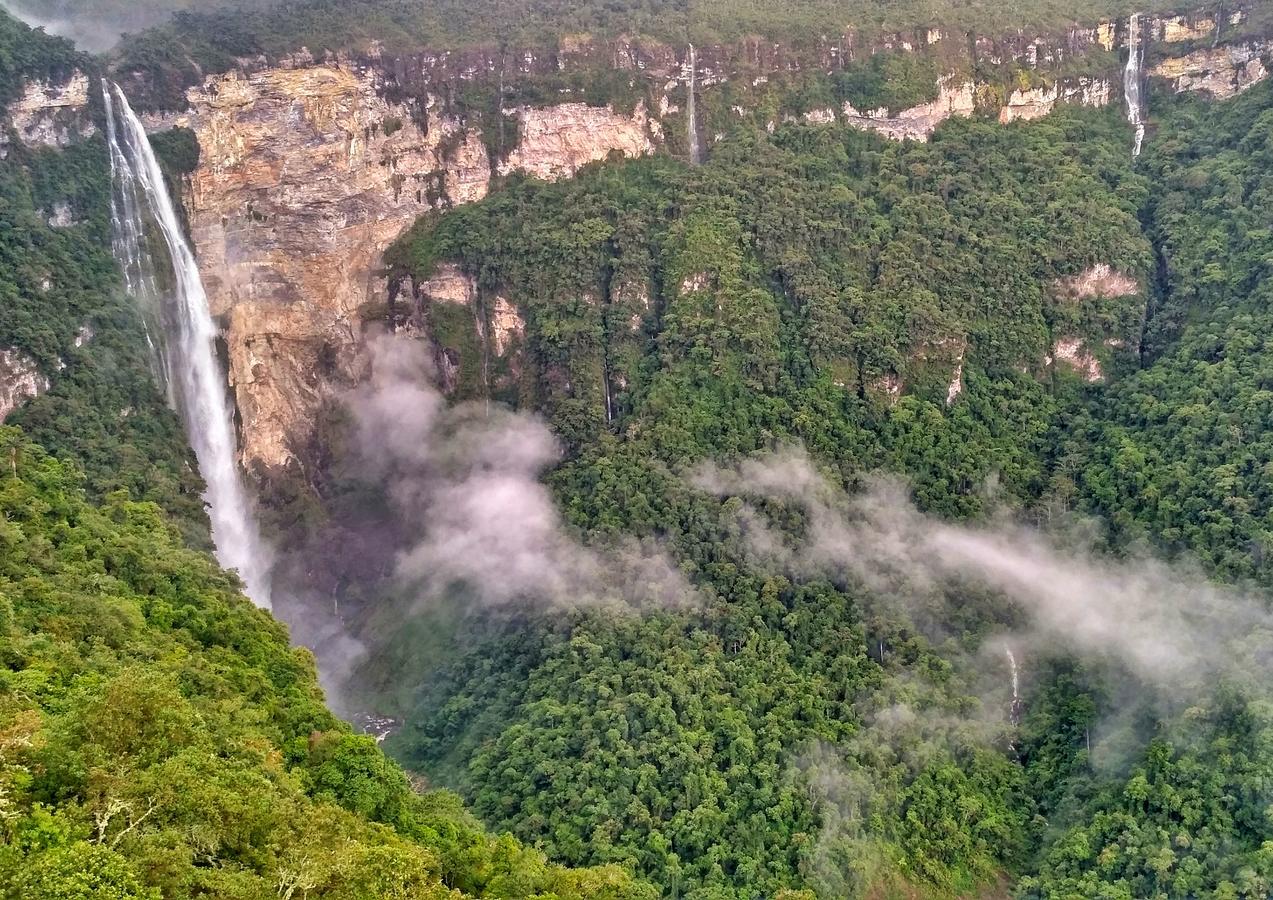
(691, 110)
(182, 336)
(1133, 78)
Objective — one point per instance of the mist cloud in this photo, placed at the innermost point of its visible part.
(467, 479)
(1162, 621)
(87, 32)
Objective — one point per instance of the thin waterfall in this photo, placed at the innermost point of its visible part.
(182, 336)
(691, 110)
(1133, 79)
(1015, 711)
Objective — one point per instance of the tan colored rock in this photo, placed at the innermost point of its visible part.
(1221, 72)
(1178, 28)
(305, 178)
(1105, 35)
(1038, 102)
(556, 141)
(507, 325)
(307, 174)
(918, 122)
(20, 380)
(48, 114)
(1073, 353)
(956, 386)
(1100, 280)
(449, 284)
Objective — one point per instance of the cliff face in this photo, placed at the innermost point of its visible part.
(50, 114)
(1218, 71)
(20, 380)
(310, 169)
(557, 141)
(307, 174)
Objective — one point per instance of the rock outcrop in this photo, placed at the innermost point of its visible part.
(557, 141)
(306, 176)
(1220, 72)
(917, 123)
(1073, 353)
(20, 380)
(449, 284)
(507, 325)
(1024, 105)
(50, 114)
(1101, 280)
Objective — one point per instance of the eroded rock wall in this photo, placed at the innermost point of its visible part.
(50, 114)
(1220, 72)
(307, 175)
(20, 380)
(311, 168)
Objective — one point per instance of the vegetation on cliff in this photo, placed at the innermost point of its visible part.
(783, 292)
(158, 735)
(912, 308)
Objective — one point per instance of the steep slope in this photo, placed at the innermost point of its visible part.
(160, 738)
(807, 285)
(158, 735)
(886, 305)
(314, 161)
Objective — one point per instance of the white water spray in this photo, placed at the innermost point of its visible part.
(691, 110)
(1133, 78)
(1015, 712)
(185, 354)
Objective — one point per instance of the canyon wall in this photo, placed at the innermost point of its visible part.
(307, 174)
(310, 168)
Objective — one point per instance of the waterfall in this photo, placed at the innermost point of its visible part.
(691, 111)
(175, 310)
(1133, 78)
(1015, 712)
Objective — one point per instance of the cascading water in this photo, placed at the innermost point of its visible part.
(1133, 78)
(691, 110)
(185, 354)
(1015, 712)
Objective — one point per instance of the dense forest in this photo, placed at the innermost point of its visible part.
(158, 735)
(847, 518)
(213, 37)
(781, 294)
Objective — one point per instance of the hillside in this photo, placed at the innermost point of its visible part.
(160, 736)
(718, 450)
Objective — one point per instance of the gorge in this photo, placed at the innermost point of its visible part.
(379, 145)
(724, 450)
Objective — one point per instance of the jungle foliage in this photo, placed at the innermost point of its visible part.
(822, 286)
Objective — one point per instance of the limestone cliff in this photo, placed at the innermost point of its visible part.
(311, 168)
(1024, 105)
(50, 114)
(920, 121)
(557, 141)
(20, 380)
(1220, 72)
(307, 174)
